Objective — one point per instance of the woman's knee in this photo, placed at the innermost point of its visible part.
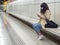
(37, 27)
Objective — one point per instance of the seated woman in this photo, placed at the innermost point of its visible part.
(44, 21)
(45, 15)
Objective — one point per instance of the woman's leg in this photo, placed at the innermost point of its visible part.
(37, 27)
(51, 24)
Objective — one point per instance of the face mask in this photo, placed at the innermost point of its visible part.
(41, 7)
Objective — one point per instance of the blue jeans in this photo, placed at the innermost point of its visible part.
(37, 27)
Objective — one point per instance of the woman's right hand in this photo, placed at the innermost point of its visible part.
(41, 16)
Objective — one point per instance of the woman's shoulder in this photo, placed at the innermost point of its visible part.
(48, 11)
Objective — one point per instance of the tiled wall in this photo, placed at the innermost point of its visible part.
(57, 13)
(31, 8)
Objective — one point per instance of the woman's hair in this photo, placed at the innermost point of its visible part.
(44, 7)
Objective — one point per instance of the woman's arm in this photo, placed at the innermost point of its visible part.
(48, 14)
(41, 16)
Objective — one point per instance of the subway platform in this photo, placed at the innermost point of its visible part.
(4, 35)
(14, 32)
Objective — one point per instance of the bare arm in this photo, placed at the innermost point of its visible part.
(41, 16)
(48, 14)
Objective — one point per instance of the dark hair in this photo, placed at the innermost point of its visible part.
(44, 7)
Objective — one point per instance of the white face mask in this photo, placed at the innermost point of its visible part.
(41, 7)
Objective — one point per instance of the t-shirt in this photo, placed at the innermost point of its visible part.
(46, 15)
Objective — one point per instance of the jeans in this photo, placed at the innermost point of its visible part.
(37, 27)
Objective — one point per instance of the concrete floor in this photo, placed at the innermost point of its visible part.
(4, 36)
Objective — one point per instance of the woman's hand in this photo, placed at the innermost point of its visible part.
(41, 16)
(38, 15)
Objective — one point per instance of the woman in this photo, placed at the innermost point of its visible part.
(44, 21)
(41, 25)
(44, 14)
(45, 17)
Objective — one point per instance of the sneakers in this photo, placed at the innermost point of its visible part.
(40, 37)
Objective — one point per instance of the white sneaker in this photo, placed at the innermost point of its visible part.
(40, 37)
(37, 37)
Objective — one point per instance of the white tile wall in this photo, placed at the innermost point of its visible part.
(57, 0)
(48, 1)
(57, 13)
